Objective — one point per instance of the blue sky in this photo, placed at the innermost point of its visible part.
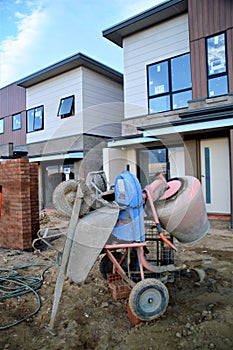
(37, 33)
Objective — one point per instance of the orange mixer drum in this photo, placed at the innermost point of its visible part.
(182, 212)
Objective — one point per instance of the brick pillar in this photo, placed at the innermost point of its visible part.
(19, 220)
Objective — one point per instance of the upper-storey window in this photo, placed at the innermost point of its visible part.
(169, 84)
(217, 65)
(16, 121)
(66, 107)
(35, 119)
(1, 126)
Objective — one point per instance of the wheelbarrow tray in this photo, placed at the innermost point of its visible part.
(91, 235)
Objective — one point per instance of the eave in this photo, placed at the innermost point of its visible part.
(144, 20)
(75, 61)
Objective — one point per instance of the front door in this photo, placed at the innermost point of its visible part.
(215, 175)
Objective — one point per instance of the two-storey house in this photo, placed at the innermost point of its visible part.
(71, 108)
(178, 96)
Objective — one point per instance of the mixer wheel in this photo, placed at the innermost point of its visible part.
(148, 299)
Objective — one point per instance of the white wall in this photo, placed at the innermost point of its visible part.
(132, 161)
(114, 162)
(177, 163)
(98, 105)
(102, 103)
(155, 44)
(49, 94)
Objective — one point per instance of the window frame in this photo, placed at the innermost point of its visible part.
(171, 92)
(146, 177)
(211, 77)
(72, 108)
(3, 126)
(42, 117)
(13, 123)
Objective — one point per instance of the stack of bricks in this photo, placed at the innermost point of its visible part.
(19, 220)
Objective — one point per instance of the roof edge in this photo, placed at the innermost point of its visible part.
(144, 20)
(67, 64)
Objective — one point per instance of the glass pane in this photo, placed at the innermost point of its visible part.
(181, 73)
(181, 99)
(1, 126)
(218, 86)
(143, 173)
(159, 104)
(16, 121)
(216, 54)
(157, 161)
(66, 105)
(38, 120)
(30, 120)
(158, 78)
(151, 162)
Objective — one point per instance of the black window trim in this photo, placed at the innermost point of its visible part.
(217, 75)
(170, 93)
(13, 115)
(30, 109)
(72, 110)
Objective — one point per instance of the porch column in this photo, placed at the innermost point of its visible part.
(191, 151)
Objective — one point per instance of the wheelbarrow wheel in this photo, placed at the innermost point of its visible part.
(148, 299)
(106, 265)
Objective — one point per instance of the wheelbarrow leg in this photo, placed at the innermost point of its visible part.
(65, 256)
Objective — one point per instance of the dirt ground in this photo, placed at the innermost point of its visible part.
(199, 314)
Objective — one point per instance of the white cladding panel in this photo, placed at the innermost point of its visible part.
(102, 103)
(152, 45)
(49, 94)
(176, 159)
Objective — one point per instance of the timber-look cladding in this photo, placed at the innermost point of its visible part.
(12, 101)
(208, 17)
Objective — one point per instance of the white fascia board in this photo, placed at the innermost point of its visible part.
(129, 142)
(75, 155)
(213, 124)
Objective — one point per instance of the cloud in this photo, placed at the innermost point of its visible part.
(51, 30)
(48, 31)
(16, 51)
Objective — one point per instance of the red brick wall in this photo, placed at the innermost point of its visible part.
(19, 220)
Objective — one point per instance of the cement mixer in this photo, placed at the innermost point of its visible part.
(113, 224)
(181, 210)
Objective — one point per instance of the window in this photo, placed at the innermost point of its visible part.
(66, 107)
(152, 161)
(16, 121)
(169, 84)
(1, 126)
(216, 65)
(35, 119)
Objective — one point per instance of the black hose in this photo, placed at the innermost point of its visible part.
(12, 284)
